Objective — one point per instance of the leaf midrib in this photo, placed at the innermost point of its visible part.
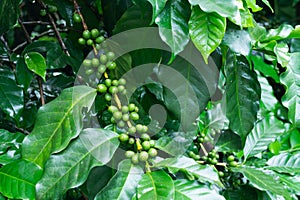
(60, 123)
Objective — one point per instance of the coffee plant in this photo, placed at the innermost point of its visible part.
(150, 99)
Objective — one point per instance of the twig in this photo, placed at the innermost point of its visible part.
(61, 42)
(38, 78)
(25, 31)
(36, 22)
(85, 27)
(203, 149)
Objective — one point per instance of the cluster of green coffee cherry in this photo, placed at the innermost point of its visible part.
(91, 37)
(135, 136)
(99, 65)
(50, 9)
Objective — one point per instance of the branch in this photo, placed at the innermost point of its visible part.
(61, 42)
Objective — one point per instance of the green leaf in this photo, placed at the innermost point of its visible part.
(238, 41)
(18, 179)
(242, 95)
(291, 79)
(204, 173)
(293, 182)
(268, 4)
(285, 163)
(268, 99)
(123, 184)
(133, 18)
(229, 142)
(265, 69)
(243, 192)
(257, 32)
(36, 63)
(57, 123)
(264, 180)
(11, 95)
(9, 13)
(158, 6)
(206, 30)
(10, 146)
(274, 147)
(173, 25)
(252, 4)
(156, 185)
(228, 9)
(191, 190)
(243, 18)
(264, 132)
(23, 74)
(295, 138)
(70, 168)
(282, 32)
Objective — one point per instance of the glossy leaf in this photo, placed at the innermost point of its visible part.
(204, 173)
(243, 18)
(252, 4)
(9, 13)
(242, 95)
(133, 18)
(158, 6)
(264, 132)
(173, 25)
(283, 31)
(264, 180)
(36, 63)
(11, 95)
(291, 79)
(238, 41)
(266, 69)
(274, 147)
(229, 141)
(57, 123)
(18, 179)
(70, 168)
(285, 163)
(268, 99)
(293, 182)
(157, 185)
(23, 74)
(295, 138)
(123, 184)
(206, 30)
(229, 9)
(190, 190)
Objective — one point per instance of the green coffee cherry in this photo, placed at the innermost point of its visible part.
(123, 137)
(76, 18)
(152, 152)
(101, 69)
(131, 141)
(152, 143)
(125, 117)
(129, 154)
(103, 59)
(117, 115)
(143, 156)
(135, 159)
(121, 88)
(89, 42)
(99, 39)
(107, 82)
(81, 41)
(146, 145)
(101, 88)
(95, 62)
(145, 137)
(86, 34)
(87, 63)
(122, 81)
(95, 33)
(233, 163)
(115, 82)
(145, 129)
(113, 89)
(139, 128)
(107, 97)
(110, 55)
(230, 158)
(112, 109)
(125, 109)
(112, 66)
(52, 9)
(121, 124)
(221, 174)
(131, 130)
(134, 116)
(89, 72)
(131, 107)
(43, 12)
